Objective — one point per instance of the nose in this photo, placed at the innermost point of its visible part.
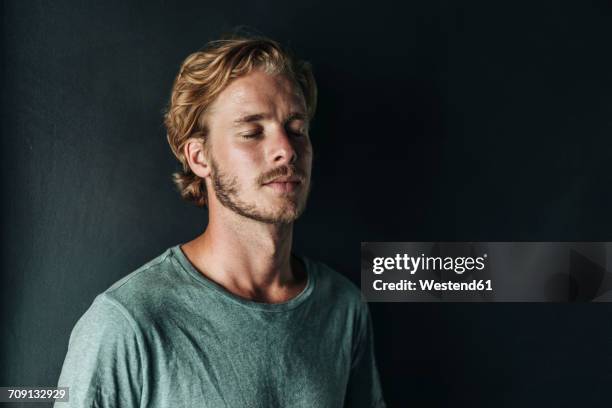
(282, 150)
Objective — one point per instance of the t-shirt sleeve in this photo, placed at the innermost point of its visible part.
(364, 390)
(103, 365)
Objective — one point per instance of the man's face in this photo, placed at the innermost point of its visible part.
(259, 148)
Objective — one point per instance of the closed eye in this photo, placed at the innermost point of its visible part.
(251, 135)
(297, 133)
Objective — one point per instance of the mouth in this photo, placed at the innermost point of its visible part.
(284, 184)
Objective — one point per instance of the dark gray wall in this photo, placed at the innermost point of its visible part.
(437, 121)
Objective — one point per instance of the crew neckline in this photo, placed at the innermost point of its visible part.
(251, 304)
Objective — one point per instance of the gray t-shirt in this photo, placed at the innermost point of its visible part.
(166, 336)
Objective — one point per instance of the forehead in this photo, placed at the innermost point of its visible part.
(259, 92)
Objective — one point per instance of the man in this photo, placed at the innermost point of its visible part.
(232, 318)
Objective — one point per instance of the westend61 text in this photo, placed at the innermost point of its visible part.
(430, 284)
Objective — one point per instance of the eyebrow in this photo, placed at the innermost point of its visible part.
(260, 116)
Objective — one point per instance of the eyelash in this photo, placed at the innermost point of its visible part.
(251, 135)
(299, 134)
(257, 134)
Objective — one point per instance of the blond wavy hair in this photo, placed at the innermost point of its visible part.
(204, 74)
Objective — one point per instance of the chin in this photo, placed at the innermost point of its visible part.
(285, 214)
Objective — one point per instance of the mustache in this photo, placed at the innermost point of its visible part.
(282, 171)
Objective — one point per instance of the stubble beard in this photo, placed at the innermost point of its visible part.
(226, 190)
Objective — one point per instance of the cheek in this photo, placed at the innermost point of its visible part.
(243, 162)
(307, 154)
(236, 155)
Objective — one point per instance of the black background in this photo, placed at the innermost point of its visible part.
(437, 121)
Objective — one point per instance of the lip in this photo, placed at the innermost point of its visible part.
(284, 185)
(285, 180)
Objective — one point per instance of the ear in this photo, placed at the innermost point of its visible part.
(196, 156)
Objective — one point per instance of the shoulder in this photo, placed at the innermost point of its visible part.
(146, 275)
(104, 321)
(120, 311)
(140, 295)
(334, 287)
(149, 282)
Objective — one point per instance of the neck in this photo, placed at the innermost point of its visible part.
(248, 258)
